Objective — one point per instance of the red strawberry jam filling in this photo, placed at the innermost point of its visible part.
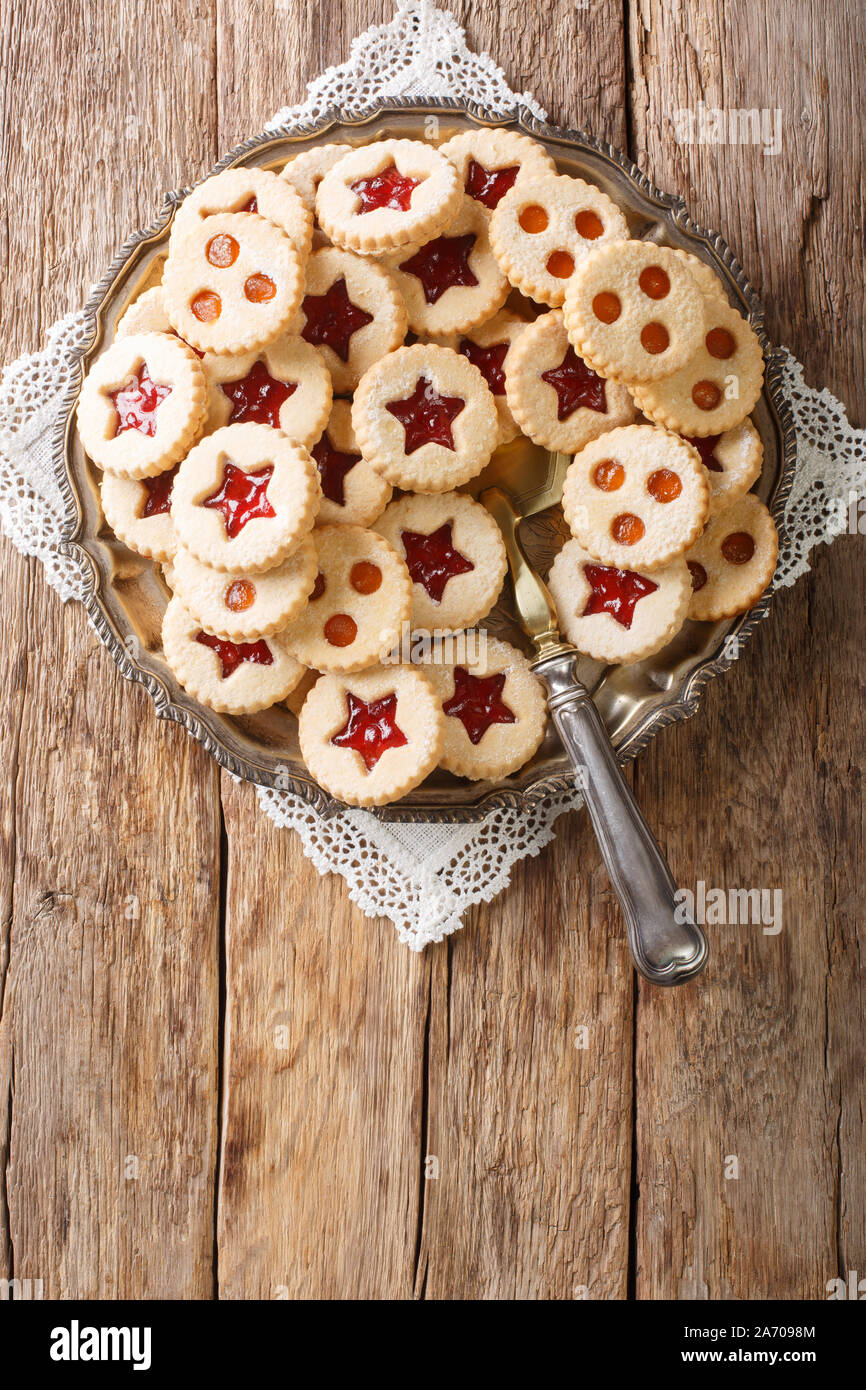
(432, 559)
(490, 362)
(158, 489)
(333, 465)
(388, 189)
(442, 264)
(138, 401)
(258, 396)
(489, 186)
(576, 385)
(370, 728)
(426, 416)
(332, 318)
(477, 703)
(615, 592)
(241, 496)
(231, 654)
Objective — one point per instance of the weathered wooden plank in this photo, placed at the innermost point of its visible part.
(110, 822)
(762, 1060)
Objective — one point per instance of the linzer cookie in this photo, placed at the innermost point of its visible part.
(352, 492)
(233, 678)
(720, 383)
(455, 556)
(706, 278)
(555, 398)
(733, 461)
(138, 510)
(618, 615)
(636, 497)
(733, 561)
(495, 711)
(244, 498)
(142, 405)
(232, 282)
(306, 171)
(453, 281)
(285, 385)
(360, 601)
(634, 311)
(388, 194)
(545, 228)
(371, 737)
(490, 348)
(243, 607)
(146, 315)
(492, 162)
(425, 419)
(253, 191)
(352, 312)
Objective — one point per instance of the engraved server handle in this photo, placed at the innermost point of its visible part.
(666, 950)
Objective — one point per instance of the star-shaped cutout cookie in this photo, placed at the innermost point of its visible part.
(241, 496)
(477, 702)
(137, 402)
(426, 416)
(332, 318)
(442, 264)
(432, 560)
(615, 592)
(576, 385)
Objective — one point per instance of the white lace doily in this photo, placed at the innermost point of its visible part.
(424, 877)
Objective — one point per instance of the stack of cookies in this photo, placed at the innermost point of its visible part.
(285, 423)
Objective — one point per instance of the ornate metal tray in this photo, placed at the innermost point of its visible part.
(126, 595)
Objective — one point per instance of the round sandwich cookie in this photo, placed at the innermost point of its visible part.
(251, 191)
(544, 229)
(232, 282)
(555, 398)
(387, 194)
(425, 418)
(352, 312)
(142, 405)
(360, 601)
(145, 315)
(230, 677)
(352, 492)
(453, 282)
(243, 607)
(718, 387)
(495, 710)
(618, 615)
(636, 497)
(455, 555)
(370, 737)
(634, 311)
(244, 498)
(733, 461)
(733, 561)
(490, 347)
(138, 510)
(492, 162)
(285, 385)
(307, 169)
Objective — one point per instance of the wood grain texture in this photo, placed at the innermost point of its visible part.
(494, 1119)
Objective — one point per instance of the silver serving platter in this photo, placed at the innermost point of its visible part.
(126, 595)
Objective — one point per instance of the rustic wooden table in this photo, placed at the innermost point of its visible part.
(218, 1078)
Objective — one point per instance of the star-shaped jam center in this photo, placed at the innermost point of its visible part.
(575, 385)
(388, 189)
(241, 497)
(706, 447)
(158, 490)
(615, 592)
(137, 402)
(333, 465)
(442, 264)
(332, 318)
(370, 728)
(231, 654)
(490, 362)
(426, 416)
(477, 703)
(432, 559)
(258, 396)
(488, 186)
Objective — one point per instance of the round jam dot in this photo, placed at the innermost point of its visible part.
(606, 307)
(560, 264)
(318, 587)
(259, 288)
(365, 577)
(654, 282)
(206, 306)
(738, 548)
(720, 343)
(222, 250)
(588, 224)
(706, 395)
(608, 475)
(698, 573)
(533, 219)
(341, 630)
(654, 338)
(240, 595)
(664, 485)
(627, 529)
